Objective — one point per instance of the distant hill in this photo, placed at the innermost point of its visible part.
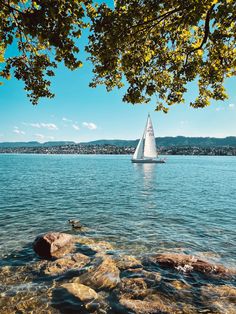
(34, 144)
(119, 143)
(197, 141)
(178, 141)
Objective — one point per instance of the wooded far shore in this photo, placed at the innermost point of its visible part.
(117, 150)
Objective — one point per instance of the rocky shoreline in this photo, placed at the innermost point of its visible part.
(77, 274)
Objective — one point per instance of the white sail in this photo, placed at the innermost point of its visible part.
(150, 150)
(138, 154)
(146, 151)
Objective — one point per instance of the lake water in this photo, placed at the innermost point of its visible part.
(187, 205)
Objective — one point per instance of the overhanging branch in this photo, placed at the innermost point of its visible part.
(206, 29)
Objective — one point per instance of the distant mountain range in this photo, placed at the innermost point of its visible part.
(178, 141)
(34, 144)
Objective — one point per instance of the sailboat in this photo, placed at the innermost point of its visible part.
(146, 151)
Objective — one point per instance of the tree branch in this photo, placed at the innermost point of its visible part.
(11, 9)
(149, 27)
(162, 17)
(21, 33)
(206, 29)
(206, 34)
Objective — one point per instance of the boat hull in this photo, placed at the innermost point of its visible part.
(148, 161)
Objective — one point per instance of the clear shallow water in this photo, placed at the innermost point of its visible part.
(186, 205)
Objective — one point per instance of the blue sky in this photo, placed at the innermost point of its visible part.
(80, 113)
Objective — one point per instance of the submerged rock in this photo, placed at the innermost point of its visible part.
(219, 299)
(180, 292)
(156, 303)
(151, 278)
(127, 262)
(132, 288)
(101, 247)
(72, 262)
(82, 292)
(146, 306)
(75, 298)
(53, 244)
(25, 300)
(91, 247)
(16, 275)
(188, 263)
(180, 285)
(103, 275)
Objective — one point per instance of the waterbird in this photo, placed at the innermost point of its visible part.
(76, 224)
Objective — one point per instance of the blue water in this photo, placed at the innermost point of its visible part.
(186, 205)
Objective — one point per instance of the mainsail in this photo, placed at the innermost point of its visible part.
(150, 150)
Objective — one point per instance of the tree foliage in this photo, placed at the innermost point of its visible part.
(45, 33)
(155, 47)
(158, 46)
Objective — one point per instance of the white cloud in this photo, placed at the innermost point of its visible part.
(35, 125)
(231, 106)
(66, 120)
(76, 127)
(90, 125)
(49, 126)
(43, 137)
(18, 131)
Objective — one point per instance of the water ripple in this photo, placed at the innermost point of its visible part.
(188, 203)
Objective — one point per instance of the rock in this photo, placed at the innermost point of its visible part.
(145, 306)
(225, 291)
(209, 255)
(180, 285)
(186, 308)
(180, 292)
(101, 247)
(127, 262)
(132, 288)
(188, 263)
(219, 299)
(151, 278)
(84, 240)
(25, 301)
(75, 298)
(82, 292)
(103, 275)
(53, 244)
(62, 265)
(91, 247)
